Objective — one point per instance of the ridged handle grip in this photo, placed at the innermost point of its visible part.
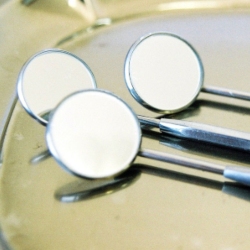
(206, 133)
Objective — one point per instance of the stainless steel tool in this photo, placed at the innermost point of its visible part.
(104, 139)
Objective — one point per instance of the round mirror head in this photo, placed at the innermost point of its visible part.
(47, 78)
(163, 72)
(93, 134)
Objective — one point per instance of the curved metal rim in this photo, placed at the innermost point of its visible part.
(22, 72)
(130, 84)
(56, 154)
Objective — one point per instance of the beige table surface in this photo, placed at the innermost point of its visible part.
(159, 205)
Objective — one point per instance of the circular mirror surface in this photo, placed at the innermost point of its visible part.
(163, 72)
(93, 134)
(48, 77)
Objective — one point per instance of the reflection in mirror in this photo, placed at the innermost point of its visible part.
(195, 109)
(84, 189)
(230, 188)
(28, 2)
(236, 190)
(4, 245)
(191, 111)
(45, 115)
(204, 149)
(48, 77)
(229, 107)
(81, 190)
(40, 157)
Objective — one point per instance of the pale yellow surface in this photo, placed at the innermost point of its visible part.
(171, 211)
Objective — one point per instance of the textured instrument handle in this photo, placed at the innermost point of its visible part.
(206, 133)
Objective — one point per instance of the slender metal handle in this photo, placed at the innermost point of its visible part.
(226, 92)
(238, 174)
(180, 160)
(207, 133)
(235, 173)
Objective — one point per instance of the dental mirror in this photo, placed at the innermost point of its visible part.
(49, 76)
(164, 73)
(61, 73)
(104, 139)
(94, 134)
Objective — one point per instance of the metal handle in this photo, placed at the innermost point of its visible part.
(238, 174)
(226, 92)
(207, 133)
